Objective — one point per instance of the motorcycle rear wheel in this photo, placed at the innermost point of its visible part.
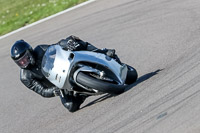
(131, 75)
(98, 84)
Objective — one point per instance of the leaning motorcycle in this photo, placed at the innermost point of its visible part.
(86, 72)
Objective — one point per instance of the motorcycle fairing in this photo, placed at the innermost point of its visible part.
(64, 61)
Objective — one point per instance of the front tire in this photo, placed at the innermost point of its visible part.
(98, 84)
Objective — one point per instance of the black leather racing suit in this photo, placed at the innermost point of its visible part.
(33, 78)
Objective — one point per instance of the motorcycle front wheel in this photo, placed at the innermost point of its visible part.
(98, 84)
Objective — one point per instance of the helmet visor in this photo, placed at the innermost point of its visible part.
(24, 61)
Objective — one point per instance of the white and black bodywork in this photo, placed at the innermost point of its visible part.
(92, 73)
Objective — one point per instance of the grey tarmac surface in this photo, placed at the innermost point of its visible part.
(160, 38)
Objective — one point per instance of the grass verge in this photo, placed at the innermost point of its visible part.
(18, 13)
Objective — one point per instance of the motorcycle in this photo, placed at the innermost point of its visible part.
(86, 72)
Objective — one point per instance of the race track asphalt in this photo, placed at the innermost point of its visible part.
(160, 38)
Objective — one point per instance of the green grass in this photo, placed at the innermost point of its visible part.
(18, 13)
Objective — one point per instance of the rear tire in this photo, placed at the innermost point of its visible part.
(131, 75)
(102, 86)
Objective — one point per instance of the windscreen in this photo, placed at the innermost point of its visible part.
(48, 60)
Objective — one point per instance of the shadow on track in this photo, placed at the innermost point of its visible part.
(142, 79)
(139, 80)
(99, 100)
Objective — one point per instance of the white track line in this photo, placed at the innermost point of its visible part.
(47, 18)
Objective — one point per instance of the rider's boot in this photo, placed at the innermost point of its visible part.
(72, 103)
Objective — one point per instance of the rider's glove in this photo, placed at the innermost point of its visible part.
(56, 91)
(69, 44)
(110, 53)
(72, 45)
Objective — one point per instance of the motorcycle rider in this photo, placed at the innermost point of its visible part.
(29, 60)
